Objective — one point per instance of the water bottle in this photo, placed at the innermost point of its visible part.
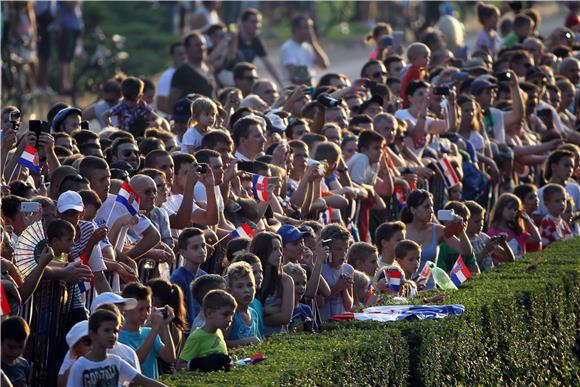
(441, 278)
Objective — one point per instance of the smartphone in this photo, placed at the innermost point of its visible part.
(30, 207)
(201, 168)
(326, 243)
(445, 215)
(246, 166)
(163, 311)
(85, 125)
(504, 77)
(35, 126)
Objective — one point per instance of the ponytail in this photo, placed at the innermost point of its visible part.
(406, 215)
(172, 295)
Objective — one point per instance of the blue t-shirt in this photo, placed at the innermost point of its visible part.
(135, 340)
(70, 18)
(184, 278)
(241, 330)
(300, 314)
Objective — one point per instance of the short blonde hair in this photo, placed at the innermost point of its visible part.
(203, 105)
(239, 270)
(294, 269)
(416, 49)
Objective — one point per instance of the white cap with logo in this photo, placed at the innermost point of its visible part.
(69, 200)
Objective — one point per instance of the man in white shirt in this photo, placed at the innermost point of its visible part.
(177, 52)
(302, 50)
(249, 138)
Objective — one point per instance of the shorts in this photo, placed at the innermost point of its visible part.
(67, 44)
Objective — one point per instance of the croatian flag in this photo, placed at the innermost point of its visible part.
(393, 279)
(326, 216)
(5, 306)
(460, 273)
(85, 286)
(260, 183)
(244, 231)
(447, 172)
(251, 360)
(128, 198)
(29, 159)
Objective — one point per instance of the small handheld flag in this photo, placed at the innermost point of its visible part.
(252, 359)
(243, 231)
(426, 272)
(29, 159)
(393, 279)
(260, 183)
(128, 198)
(85, 286)
(460, 273)
(447, 172)
(5, 306)
(326, 216)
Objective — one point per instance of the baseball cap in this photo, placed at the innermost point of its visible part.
(290, 233)
(69, 200)
(77, 332)
(182, 110)
(274, 123)
(481, 84)
(475, 64)
(113, 298)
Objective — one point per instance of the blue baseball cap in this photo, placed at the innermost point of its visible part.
(481, 84)
(290, 233)
(182, 110)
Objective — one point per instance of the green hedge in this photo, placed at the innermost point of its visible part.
(519, 327)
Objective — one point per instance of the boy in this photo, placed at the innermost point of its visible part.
(199, 288)
(418, 55)
(15, 333)
(522, 28)
(387, 236)
(364, 165)
(302, 316)
(408, 255)
(245, 328)
(60, 235)
(192, 248)
(553, 227)
(483, 245)
(92, 205)
(205, 348)
(203, 113)
(363, 257)
(147, 341)
(97, 368)
(258, 273)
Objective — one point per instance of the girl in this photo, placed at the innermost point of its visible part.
(508, 219)
(302, 317)
(348, 147)
(277, 291)
(376, 38)
(79, 345)
(559, 169)
(166, 293)
(528, 194)
(487, 40)
(203, 114)
(570, 218)
(418, 215)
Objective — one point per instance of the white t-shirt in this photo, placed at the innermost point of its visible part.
(498, 125)
(122, 350)
(200, 195)
(555, 116)
(573, 190)
(192, 138)
(173, 203)
(405, 115)
(241, 157)
(361, 171)
(164, 83)
(294, 53)
(111, 372)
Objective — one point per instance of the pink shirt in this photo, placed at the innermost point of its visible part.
(516, 242)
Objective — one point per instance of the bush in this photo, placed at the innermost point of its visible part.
(519, 327)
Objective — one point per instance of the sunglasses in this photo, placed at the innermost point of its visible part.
(129, 152)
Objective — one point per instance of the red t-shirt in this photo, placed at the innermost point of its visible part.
(413, 73)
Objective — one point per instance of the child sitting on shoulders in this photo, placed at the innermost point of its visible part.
(553, 228)
(205, 349)
(203, 115)
(302, 316)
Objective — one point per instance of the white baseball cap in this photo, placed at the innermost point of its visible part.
(77, 332)
(69, 200)
(113, 298)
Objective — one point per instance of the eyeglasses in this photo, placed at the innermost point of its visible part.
(378, 74)
(129, 152)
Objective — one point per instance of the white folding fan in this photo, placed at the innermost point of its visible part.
(28, 248)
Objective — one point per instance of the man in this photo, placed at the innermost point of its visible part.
(125, 149)
(267, 90)
(570, 69)
(375, 71)
(177, 53)
(245, 76)
(193, 76)
(301, 51)
(250, 44)
(249, 138)
(162, 161)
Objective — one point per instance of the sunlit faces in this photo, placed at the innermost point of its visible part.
(220, 318)
(243, 290)
(140, 314)
(195, 250)
(348, 149)
(556, 203)
(217, 167)
(410, 262)
(531, 201)
(100, 180)
(293, 250)
(475, 224)
(373, 152)
(369, 265)
(106, 335)
(258, 274)
(275, 257)
(162, 190)
(388, 245)
(563, 169)
(338, 250)
(254, 143)
(424, 211)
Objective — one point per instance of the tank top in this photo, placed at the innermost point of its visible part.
(429, 253)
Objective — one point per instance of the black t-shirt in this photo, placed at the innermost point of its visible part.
(190, 81)
(248, 53)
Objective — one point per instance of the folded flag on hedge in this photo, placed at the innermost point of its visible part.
(460, 273)
(447, 172)
(29, 159)
(85, 286)
(260, 183)
(4, 302)
(326, 216)
(243, 231)
(128, 198)
(387, 313)
(393, 279)
(252, 359)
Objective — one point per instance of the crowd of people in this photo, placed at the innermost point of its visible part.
(165, 225)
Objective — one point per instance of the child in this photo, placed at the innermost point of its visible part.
(361, 287)
(131, 109)
(337, 273)
(487, 40)
(508, 219)
(363, 257)
(418, 55)
(559, 168)
(199, 288)
(302, 316)
(203, 114)
(192, 247)
(387, 236)
(15, 333)
(205, 349)
(364, 165)
(408, 255)
(60, 235)
(147, 341)
(258, 273)
(570, 218)
(553, 228)
(522, 28)
(448, 255)
(483, 245)
(79, 344)
(92, 204)
(528, 194)
(97, 368)
(245, 328)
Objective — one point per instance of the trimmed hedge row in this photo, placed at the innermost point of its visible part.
(520, 326)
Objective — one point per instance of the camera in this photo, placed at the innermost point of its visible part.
(504, 77)
(441, 90)
(38, 127)
(14, 115)
(85, 125)
(327, 101)
(326, 242)
(201, 168)
(163, 311)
